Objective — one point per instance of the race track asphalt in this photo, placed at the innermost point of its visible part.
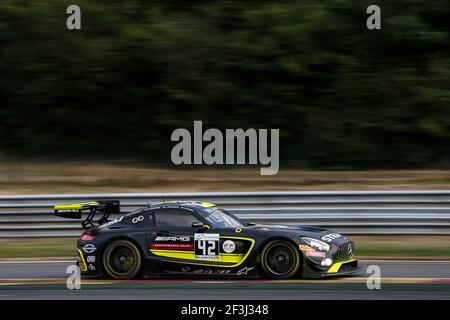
(399, 280)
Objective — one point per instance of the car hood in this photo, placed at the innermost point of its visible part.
(297, 230)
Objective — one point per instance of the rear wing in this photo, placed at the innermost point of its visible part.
(75, 210)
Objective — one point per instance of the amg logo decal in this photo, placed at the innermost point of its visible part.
(181, 238)
(68, 211)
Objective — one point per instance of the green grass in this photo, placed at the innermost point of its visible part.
(34, 248)
(403, 251)
(97, 177)
(65, 247)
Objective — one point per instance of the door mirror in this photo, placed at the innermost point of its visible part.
(197, 225)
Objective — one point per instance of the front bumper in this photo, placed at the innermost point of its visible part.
(338, 260)
(339, 268)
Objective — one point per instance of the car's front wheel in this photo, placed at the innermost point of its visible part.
(122, 260)
(280, 260)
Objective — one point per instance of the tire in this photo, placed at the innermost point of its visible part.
(280, 260)
(122, 260)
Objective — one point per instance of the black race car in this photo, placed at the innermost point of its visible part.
(186, 238)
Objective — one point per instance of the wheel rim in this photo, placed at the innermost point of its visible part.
(280, 259)
(122, 260)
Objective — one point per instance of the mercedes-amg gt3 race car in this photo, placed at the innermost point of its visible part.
(200, 239)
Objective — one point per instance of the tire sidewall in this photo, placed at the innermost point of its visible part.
(134, 272)
(296, 254)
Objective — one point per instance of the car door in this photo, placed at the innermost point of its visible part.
(173, 236)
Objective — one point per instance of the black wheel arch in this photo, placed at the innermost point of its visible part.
(273, 238)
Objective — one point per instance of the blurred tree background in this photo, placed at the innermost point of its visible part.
(342, 96)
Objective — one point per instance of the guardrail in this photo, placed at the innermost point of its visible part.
(350, 212)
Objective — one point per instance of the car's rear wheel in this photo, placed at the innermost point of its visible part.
(122, 260)
(280, 260)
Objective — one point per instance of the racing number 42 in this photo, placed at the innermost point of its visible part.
(206, 245)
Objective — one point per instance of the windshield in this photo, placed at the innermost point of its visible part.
(222, 219)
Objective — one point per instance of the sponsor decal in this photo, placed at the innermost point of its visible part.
(228, 246)
(180, 238)
(245, 270)
(223, 271)
(89, 248)
(313, 253)
(210, 210)
(111, 222)
(90, 259)
(172, 246)
(330, 237)
(212, 271)
(68, 211)
(91, 267)
(206, 246)
(138, 219)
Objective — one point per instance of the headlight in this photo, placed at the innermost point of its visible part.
(317, 244)
(326, 262)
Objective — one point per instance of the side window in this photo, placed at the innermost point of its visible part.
(174, 218)
(141, 218)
